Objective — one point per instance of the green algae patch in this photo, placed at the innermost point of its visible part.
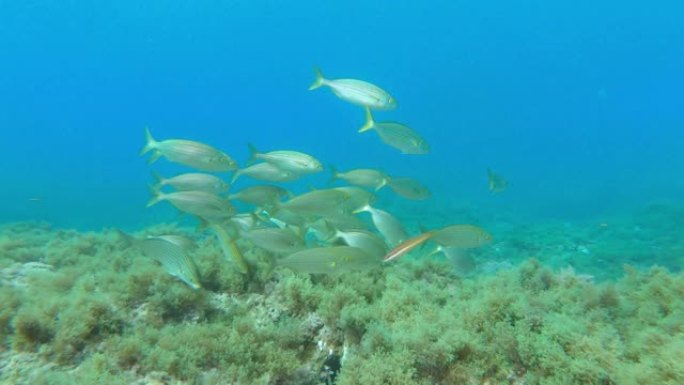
(81, 308)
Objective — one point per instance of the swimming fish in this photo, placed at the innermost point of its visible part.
(245, 221)
(188, 153)
(180, 240)
(330, 260)
(409, 188)
(201, 203)
(275, 240)
(397, 135)
(356, 198)
(193, 181)
(387, 225)
(174, 258)
(266, 172)
(364, 177)
(357, 92)
(293, 161)
(260, 195)
(462, 236)
(316, 203)
(226, 237)
(407, 246)
(362, 239)
(495, 182)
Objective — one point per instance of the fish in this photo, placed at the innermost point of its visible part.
(364, 177)
(329, 260)
(408, 245)
(179, 240)
(316, 202)
(397, 135)
(193, 181)
(205, 205)
(260, 195)
(495, 182)
(362, 239)
(188, 153)
(387, 225)
(356, 92)
(226, 237)
(265, 172)
(464, 264)
(172, 256)
(356, 198)
(293, 161)
(245, 221)
(275, 240)
(462, 236)
(409, 188)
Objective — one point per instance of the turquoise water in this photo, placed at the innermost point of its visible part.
(576, 104)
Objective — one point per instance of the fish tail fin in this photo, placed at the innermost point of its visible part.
(335, 175)
(158, 179)
(366, 208)
(127, 239)
(236, 175)
(319, 81)
(157, 195)
(150, 143)
(253, 152)
(369, 121)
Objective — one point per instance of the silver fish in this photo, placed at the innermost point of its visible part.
(203, 204)
(188, 153)
(330, 260)
(364, 177)
(275, 240)
(462, 236)
(397, 135)
(357, 198)
(316, 203)
(170, 255)
(245, 221)
(180, 240)
(260, 195)
(495, 182)
(292, 161)
(193, 181)
(362, 239)
(409, 188)
(387, 225)
(357, 92)
(226, 237)
(265, 172)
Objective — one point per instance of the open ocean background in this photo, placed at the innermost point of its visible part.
(577, 103)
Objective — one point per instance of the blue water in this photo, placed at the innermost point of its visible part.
(577, 103)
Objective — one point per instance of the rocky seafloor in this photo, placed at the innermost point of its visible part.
(600, 302)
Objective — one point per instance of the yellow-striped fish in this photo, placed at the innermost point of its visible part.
(364, 177)
(463, 236)
(188, 153)
(397, 135)
(495, 182)
(330, 260)
(357, 92)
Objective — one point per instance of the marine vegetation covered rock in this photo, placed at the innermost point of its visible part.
(95, 313)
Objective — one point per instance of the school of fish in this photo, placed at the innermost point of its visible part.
(330, 230)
